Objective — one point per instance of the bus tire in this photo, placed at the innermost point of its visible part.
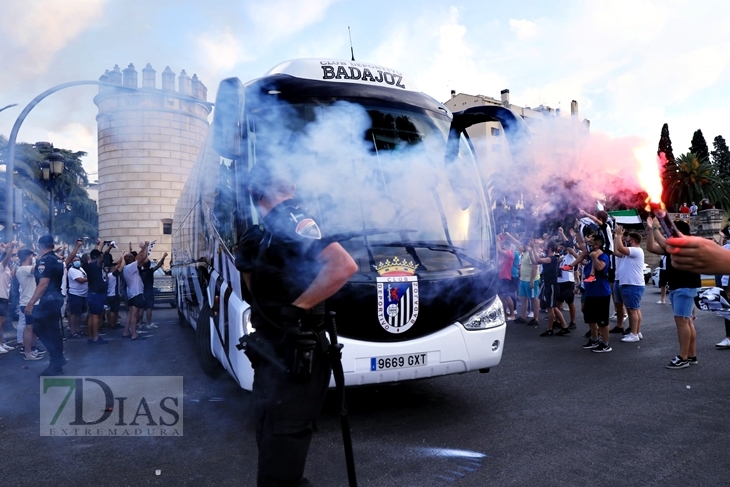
(210, 365)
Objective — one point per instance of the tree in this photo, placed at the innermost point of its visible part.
(665, 144)
(690, 178)
(699, 146)
(76, 214)
(721, 157)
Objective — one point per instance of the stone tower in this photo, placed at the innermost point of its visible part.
(149, 139)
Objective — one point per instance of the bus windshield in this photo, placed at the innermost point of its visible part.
(380, 179)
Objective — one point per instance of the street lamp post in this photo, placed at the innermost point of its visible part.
(51, 169)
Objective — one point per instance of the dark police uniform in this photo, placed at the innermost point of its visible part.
(47, 313)
(282, 266)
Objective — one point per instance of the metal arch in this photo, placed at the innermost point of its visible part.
(10, 163)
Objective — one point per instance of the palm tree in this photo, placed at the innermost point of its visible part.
(690, 178)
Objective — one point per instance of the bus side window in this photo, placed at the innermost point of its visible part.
(225, 203)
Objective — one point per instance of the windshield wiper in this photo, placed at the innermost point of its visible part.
(459, 252)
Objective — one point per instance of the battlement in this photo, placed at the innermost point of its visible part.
(127, 77)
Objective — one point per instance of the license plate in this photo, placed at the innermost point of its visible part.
(398, 361)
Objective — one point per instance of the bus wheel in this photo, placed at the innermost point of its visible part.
(208, 362)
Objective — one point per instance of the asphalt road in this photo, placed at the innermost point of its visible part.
(550, 414)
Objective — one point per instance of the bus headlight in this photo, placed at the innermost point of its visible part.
(490, 317)
(247, 321)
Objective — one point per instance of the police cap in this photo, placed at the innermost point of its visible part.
(46, 241)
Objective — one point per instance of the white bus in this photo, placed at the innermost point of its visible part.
(388, 172)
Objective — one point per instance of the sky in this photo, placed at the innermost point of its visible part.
(631, 65)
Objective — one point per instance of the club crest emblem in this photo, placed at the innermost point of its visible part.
(397, 287)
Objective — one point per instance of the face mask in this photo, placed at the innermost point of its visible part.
(77, 264)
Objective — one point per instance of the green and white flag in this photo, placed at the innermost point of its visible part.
(626, 217)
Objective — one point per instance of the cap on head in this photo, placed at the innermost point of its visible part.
(46, 241)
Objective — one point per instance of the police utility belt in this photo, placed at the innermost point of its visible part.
(291, 340)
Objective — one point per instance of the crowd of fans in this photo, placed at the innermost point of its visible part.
(94, 285)
(598, 263)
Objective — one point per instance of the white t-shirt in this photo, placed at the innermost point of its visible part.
(134, 281)
(26, 279)
(632, 267)
(75, 287)
(111, 284)
(5, 277)
(566, 276)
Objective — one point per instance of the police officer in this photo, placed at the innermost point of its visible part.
(290, 270)
(46, 315)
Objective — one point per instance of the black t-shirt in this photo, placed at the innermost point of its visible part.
(147, 274)
(550, 271)
(50, 266)
(96, 277)
(286, 263)
(677, 279)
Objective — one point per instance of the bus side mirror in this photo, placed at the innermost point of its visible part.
(228, 119)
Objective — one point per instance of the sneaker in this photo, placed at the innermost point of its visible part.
(547, 333)
(7, 347)
(566, 268)
(725, 343)
(630, 338)
(677, 363)
(613, 316)
(32, 356)
(602, 348)
(641, 337)
(21, 349)
(572, 326)
(2, 350)
(661, 302)
(563, 332)
(37, 350)
(589, 279)
(591, 344)
(530, 314)
(617, 329)
(533, 322)
(152, 326)
(692, 360)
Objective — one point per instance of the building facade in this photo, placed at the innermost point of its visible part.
(557, 136)
(148, 141)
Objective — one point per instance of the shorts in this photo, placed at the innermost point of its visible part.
(596, 310)
(683, 301)
(26, 319)
(617, 296)
(566, 292)
(632, 295)
(526, 292)
(3, 307)
(149, 300)
(505, 286)
(549, 295)
(113, 302)
(96, 303)
(136, 301)
(76, 304)
(662, 278)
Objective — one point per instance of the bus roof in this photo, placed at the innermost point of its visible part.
(344, 71)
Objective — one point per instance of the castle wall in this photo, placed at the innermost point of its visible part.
(148, 141)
